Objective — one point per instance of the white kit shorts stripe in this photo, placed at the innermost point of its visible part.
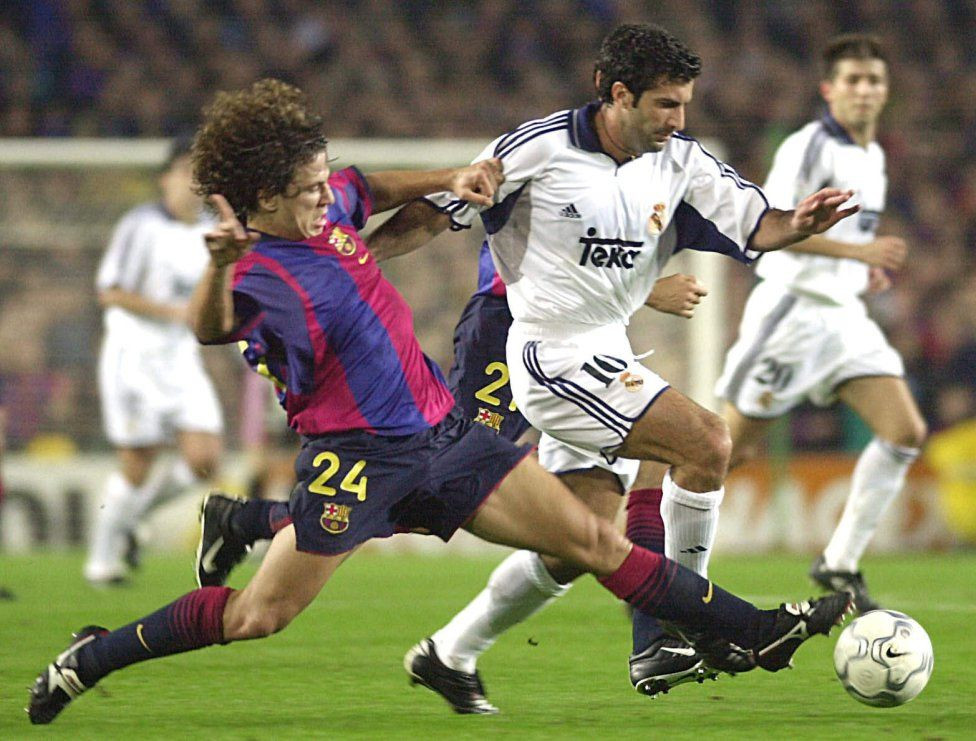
(586, 391)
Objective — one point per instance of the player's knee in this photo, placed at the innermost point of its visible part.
(603, 549)
(715, 448)
(203, 467)
(261, 623)
(909, 435)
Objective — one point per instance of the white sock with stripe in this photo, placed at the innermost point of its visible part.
(878, 477)
(690, 524)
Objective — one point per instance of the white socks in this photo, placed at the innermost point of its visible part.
(122, 508)
(690, 523)
(878, 477)
(111, 523)
(519, 587)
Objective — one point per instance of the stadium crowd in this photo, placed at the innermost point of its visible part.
(470, 68)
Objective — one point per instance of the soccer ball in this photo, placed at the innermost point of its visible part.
(883, 658)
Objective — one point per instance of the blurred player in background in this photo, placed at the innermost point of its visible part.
(385, 449)
(805, 332)
(153, 385)
(580, 230)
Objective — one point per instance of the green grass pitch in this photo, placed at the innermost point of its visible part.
(336, 671)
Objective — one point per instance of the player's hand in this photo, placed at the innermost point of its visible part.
(478, 182)
(229, 241)
(816, 213)
(885, 252)
(677, 294)
(878, 280)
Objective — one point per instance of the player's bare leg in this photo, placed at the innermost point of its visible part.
(286, 583)
(888, 408)
(696, 443)
(519, 587)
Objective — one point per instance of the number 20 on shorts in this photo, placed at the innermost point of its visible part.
(353, 482)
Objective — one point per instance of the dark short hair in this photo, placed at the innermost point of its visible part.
(641, 56)
(859, 46)
(178, 147)
(251, 142)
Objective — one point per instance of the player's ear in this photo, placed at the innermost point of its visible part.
(826, 86)
(267, 203)
(619, 93)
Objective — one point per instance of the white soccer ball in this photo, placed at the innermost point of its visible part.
(883, 658)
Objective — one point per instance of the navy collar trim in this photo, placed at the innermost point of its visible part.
(582, 132)
(833, 128)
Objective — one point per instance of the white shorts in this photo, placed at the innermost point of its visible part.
(558, 457)
(582, 387)
(148, 395)
(793, 347)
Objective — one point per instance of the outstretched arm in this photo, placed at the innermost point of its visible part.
(475, 183)
(815, 214)
(884, 252)
(411, 227)
(212, 306)
(139, 304)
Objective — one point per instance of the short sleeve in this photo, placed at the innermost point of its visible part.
(524, 153)
(801, 166)
(720, 207)
(354, 199)
(125, 261)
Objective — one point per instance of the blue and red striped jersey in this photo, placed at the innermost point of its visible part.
(489, 281)
(337, 339)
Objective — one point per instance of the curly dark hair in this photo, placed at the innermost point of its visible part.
(860, 46)
(251, 141)
(641, 56)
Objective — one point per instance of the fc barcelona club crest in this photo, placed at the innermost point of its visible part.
(341, 241)
(491, 420)
(335, 518)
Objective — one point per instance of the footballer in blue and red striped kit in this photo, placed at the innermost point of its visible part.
(383, 449)
(355, 363)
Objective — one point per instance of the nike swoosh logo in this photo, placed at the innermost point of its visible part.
(141, 639)
(689, 651)
(207, 562)
(892, 654)
(708, 597)
(363, 259)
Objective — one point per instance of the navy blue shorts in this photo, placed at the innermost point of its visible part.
(357, 486)
(479, 377)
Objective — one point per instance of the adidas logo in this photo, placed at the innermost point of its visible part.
(695, 549)
(570, 212)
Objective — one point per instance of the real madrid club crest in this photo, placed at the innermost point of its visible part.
(335, 518)
(655, 223)
(631, 381)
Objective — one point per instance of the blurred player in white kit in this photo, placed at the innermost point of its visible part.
(806, 334)
(154, 389)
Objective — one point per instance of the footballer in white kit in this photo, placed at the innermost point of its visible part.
(151, 374)
(805, 329)
(579, 241)
(153, 386)
(806, 333)
(595, 201)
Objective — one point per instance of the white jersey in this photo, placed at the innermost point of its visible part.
(819, 155)
(579, 239)
(160, 258)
